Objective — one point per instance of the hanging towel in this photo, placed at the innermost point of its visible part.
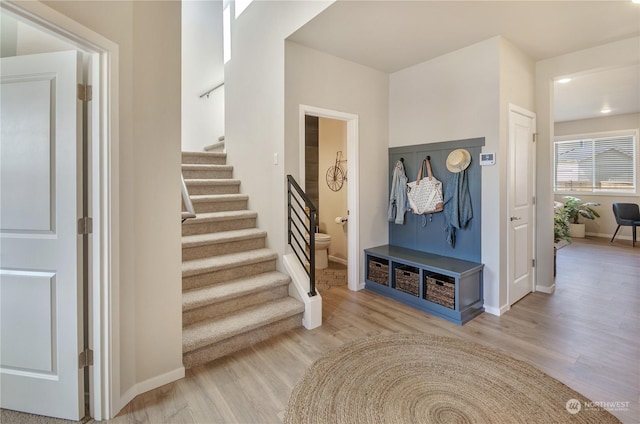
(457, 205)
(398, 197)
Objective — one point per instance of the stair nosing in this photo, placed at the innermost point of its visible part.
(208, 295)
(227, 197)
(222, 262)
(205, 154)
(212, 166)
(208, 332)
(196, 240)
(220, 216)
(211, 181)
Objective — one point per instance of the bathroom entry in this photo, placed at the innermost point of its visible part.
(326, 185)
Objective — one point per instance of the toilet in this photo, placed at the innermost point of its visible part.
(323, 241)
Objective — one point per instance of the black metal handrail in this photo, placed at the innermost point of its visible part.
(302, 212)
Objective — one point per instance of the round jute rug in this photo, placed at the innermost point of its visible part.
(418, 378)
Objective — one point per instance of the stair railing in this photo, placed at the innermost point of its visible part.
(302, 216)
(186, 200)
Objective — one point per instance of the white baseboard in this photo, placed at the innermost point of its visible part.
(496, 311)
(338, 260)
(146, 385)
(608, 236)
(546, 289)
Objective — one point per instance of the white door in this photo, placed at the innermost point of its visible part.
(521, 193)
(40, 266)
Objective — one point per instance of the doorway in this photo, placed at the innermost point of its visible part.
(326, 185)
(101, 128)
(521, 201)
(345, 126)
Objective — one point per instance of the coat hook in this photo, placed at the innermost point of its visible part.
(402, 160)
(428, 157)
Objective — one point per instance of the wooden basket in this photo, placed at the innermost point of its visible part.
(408, 279)
(378, 270)
(441, 289)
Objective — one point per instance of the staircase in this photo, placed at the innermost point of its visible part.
(232, 295)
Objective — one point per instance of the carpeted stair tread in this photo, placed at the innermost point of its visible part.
(203, 166)
(201, 198)
(221, 216)
(209, 295)
(208, 332)
(222, 237)
(210, 181)
(186, 155)
(216, 263)
(204, 157)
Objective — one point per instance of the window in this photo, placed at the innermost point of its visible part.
(597, 163)
(226, 33)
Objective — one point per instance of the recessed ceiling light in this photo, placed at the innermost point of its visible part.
(566, 80)
(606, 109)
(635, 1)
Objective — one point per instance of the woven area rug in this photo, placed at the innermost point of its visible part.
(418, 378)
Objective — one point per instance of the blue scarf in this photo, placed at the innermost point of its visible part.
(457, 205)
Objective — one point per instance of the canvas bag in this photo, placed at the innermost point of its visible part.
(425, 194)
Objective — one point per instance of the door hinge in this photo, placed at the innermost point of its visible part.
(533, 263)
(85, 92)
(533, 200)
(85, 225)
(535, 137)
(85, 358)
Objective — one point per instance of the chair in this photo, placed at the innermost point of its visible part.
(626, 214)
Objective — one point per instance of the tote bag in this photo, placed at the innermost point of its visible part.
(425, 194)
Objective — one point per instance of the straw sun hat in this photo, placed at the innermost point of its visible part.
(458, 160)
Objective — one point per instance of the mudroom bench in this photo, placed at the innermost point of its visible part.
(443, 286)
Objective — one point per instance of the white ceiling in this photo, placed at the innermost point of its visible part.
(393, 35)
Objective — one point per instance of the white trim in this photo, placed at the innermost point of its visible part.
(512, 108)
(104, 249)
(150, 384)
(299, 289)
(546, 289)
(338, 260)
(496, 311)
(608, 236)
(353, 183)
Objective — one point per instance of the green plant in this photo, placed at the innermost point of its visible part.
(560, 224)
(576, 208)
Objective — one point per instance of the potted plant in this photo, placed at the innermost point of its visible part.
(560, 231)
(560, 224)
(576, 208)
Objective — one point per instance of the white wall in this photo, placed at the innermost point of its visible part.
(332, 137)
(452, 97)
(606, 224)
(202, 69)
(466, 94)
(255, 107)
(324, 81)
(619, 53)
(147, 300)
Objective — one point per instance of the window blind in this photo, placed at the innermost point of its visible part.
(602, 164)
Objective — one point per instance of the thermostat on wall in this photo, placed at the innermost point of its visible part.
(487, 158)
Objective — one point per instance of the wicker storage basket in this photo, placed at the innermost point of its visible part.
(378, 270)
(441, 289)
(408, 279)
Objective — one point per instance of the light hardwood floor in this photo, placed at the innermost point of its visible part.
(585, 335)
